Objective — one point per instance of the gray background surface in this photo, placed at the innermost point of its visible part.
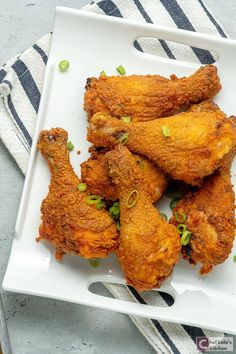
(38, 325)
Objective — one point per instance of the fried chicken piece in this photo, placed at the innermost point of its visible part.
(196, 144)
(149, 247)
(94, 172)
(68, 221)
(149, 97)
(210, 218)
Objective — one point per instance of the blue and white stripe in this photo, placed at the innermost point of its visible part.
(21, 81)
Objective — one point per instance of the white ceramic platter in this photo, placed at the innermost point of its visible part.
(93, 43)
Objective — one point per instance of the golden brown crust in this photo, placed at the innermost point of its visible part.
(68, 221)
(149, 247)
(197, 143)
(211, 219)
(95, 174)
(149, 97)
(206, 106)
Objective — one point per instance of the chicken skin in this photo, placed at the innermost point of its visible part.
(210, 219)
(68, 221)
(206, 106)
(149, 97)
(187, 146)
(94, 172)
(149, 247)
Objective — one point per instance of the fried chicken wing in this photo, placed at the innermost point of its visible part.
(149, 247)
(193, 148)
(94, 172)
(211, 219)
(149, 97)
(68, 221)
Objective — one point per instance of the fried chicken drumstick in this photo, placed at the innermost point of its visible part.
(149, 97)
(210, 212)
(94, 172)
(210, 218)
(193, 148)
(149, 247)
(68, 221)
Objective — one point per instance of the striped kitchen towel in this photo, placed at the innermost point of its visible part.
(21, 80)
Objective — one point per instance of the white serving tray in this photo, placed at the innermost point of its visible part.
(93, 43)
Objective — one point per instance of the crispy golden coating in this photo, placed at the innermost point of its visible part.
(197, 143)
(68, 221)
(149, 97)
(94, 172)
(211, 219)
(149, 247)
(206, 106)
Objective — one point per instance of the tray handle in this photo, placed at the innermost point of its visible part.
(182, 311)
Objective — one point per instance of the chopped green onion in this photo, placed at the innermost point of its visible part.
(115, 210)
(166, 131)
(173, 203)
(180, 217)
(121, 70)
(100, 204)
(234, 258)
(93, 199)
(181, 228)
(94, 262)
(141, 164)
(126, 119)
(164, 216)
(185, 238)
(102, 73)
(133, 194)
(118, 225)
(64, 65)
(82, 187)
(124, 138)
(70, 146)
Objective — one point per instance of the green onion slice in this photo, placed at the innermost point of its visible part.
(100, 204)
(114, 210)
(124, 138)
(180, 216)
(70, 146)
(132, 198)
(102, 73)
(93, 199)
(173, 203)
(64, 65)
(185, 238)
(94, 262)
(126, 119)
(164, 216)
(166, 131)
(181, 228)
(235, 258)
(82, 187)
(121, 70)
(118, 225)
